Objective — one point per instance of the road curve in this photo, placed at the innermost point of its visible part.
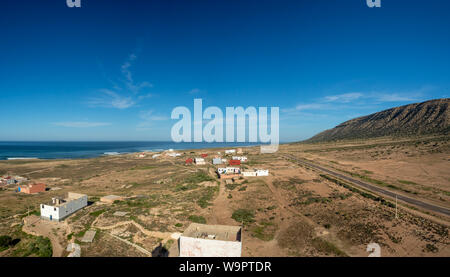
(381, 191)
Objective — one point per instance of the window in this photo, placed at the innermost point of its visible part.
(42, 206)
(54, 209)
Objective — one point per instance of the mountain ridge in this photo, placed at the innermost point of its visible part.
(425, 118)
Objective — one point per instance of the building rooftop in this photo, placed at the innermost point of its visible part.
(213, 232)
(58, 201)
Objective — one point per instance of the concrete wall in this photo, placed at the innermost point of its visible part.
(194, 247)
(48, 211)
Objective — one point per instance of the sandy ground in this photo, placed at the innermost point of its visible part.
(55, 231)
(295, 211)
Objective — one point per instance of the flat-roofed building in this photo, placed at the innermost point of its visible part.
(200, 161)
(240, 158)
(217, 161)
(228, 172)
(202, 240)
(33, 188)
(262, 172)
(249, 173)
(256, 173)
(61, 208)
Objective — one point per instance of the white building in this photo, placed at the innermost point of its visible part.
(199, 161)
(217, 161)
(249, 173)
(173, 154)
(231, 151)
(62, 208)
(240, 158)
(255, 173)
(229, 170)
(201, 240)
(262, 172)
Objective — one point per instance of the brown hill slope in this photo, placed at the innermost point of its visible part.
(430, 117)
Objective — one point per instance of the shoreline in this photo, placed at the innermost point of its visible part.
(115, 153)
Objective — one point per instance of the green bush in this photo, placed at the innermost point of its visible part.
(243, 216)
(5, 242)
(97, 213)
(208, 194)
(199, 177)
(39, 247)
(197, 219)
(327, 247)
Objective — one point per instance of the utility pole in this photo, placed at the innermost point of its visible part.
(396, 214)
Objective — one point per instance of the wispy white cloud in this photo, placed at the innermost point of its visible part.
(149, 95)
(148, 120)
(395, 98)
(311, 106)
(81, 124)
(125, 93)
(344, 98)
(150, 116)
(194, 91)
(111, 99)
(355, 100)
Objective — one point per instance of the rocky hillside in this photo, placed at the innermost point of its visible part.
(430, 117)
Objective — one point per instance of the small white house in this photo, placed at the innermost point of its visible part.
(262, 172)
(230, 151)
(256, 173)
(174, 154)
(229, 170)
(199, 161)
(217, 161)
(240, 158)
(249, 173)
(156, 156)
(62, 208)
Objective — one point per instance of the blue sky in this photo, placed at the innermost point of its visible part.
(115, 69)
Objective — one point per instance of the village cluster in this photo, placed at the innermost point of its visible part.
(197, 240)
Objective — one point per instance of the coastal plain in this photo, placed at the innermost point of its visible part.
(295, 211)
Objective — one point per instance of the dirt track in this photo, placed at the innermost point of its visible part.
(36, 226)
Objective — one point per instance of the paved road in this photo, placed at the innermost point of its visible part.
(377, 189)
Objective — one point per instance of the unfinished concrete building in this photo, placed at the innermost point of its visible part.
(201, 240)
(61, 208)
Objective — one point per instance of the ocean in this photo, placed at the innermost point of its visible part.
(10, 150)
